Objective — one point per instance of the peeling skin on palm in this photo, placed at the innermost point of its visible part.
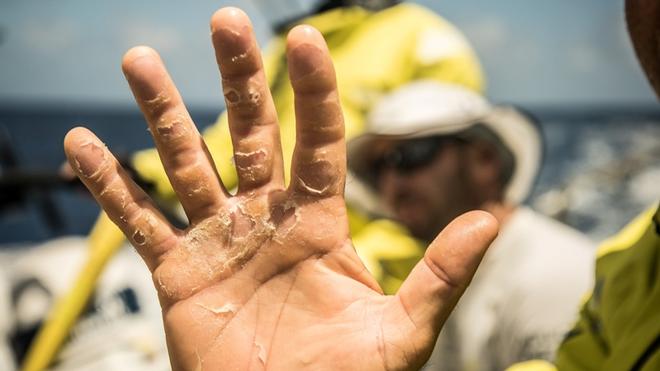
(200, 362)
(261, 354)
(199, 236)
(228, 308)
(170, 282)
(251, 228)
(213, 250)
(164, 287)
(286, 216)
(241, 232)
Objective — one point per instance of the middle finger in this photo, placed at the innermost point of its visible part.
(252, 117)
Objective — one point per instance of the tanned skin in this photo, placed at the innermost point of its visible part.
(268, 278)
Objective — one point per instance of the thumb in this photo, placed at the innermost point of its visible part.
(436, 283)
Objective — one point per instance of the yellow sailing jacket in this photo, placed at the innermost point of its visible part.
(619, 325)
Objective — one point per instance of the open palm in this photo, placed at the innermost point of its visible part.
(268, 278)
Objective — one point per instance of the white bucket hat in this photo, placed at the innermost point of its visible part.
(429, 108)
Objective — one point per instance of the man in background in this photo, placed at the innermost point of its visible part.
(433, 151)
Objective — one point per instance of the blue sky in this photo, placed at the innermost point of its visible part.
(536, 53)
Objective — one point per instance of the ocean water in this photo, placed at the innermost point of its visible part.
(601, 166)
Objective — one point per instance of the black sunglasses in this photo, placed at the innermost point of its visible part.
(411, 155)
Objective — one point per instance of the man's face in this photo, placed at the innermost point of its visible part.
(423, 182)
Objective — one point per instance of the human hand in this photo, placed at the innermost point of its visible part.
(268, 278)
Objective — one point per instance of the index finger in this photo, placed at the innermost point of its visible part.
(252, 117)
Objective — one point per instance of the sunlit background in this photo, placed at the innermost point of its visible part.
(569, 63)
(550, 53)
